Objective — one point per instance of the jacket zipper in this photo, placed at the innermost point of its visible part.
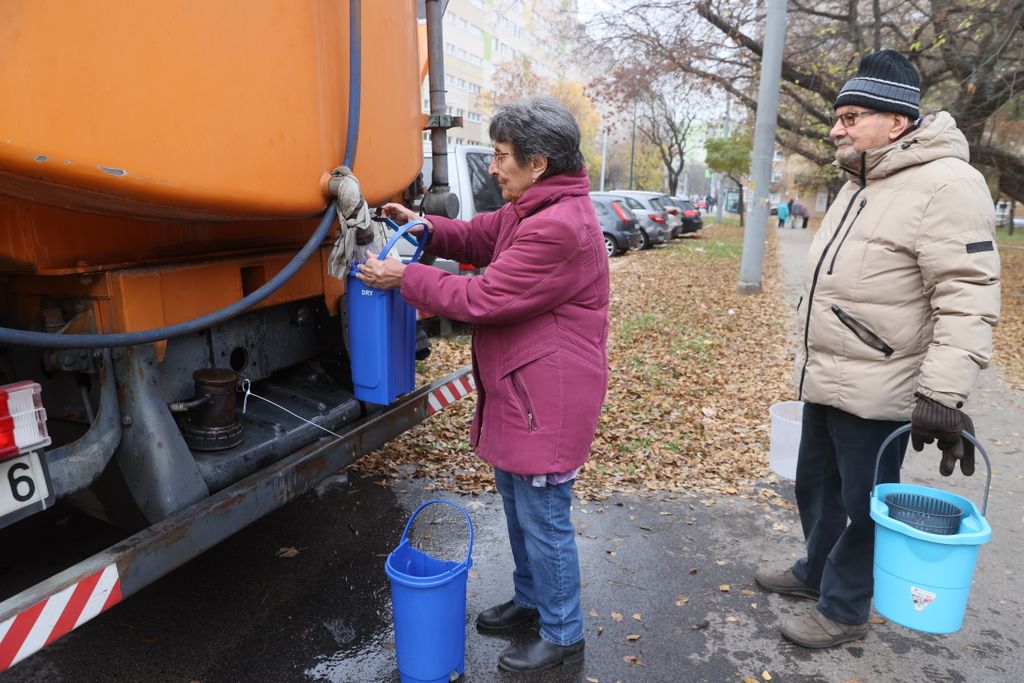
(846, 234)
(524, 399)
(862, 332)
(814, 284)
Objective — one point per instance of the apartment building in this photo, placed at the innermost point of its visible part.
(479, 35)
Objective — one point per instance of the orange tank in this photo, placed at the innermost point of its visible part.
(145, 133)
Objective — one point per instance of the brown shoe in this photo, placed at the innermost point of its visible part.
(785, 582)
(813, 629)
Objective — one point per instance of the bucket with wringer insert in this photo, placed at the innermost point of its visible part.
(926, 548)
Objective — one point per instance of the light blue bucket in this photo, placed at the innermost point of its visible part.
(922, 580)
(428, 598)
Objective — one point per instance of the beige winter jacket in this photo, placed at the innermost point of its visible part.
(902, 288)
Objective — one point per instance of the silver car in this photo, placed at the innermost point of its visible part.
(655, 227)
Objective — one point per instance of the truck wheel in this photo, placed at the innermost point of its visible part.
(610, 246)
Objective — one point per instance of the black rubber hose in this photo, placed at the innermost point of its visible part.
(51, 340)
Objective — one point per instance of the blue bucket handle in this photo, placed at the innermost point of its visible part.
(402, 231)
(964, 433)
(469, 523)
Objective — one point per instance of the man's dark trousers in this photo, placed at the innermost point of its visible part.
(834, 471)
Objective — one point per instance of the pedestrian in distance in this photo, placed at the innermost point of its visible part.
(782, 211)
(798, 210)
(540, 328)
(902, 294)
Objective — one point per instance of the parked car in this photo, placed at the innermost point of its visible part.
(647, 207)
(692, 222)
(618, 223)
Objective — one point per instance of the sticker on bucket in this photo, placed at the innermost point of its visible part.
(921, 598)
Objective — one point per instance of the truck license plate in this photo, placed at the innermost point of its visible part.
(24, 487)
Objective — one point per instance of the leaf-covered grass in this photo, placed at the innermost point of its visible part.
(693, 368)
(1008, 335)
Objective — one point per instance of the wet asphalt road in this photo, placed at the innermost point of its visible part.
(241, 612)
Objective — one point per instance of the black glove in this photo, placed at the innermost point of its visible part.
(933, 421)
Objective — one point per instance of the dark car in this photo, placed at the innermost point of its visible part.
(692, 222)
(619, 225)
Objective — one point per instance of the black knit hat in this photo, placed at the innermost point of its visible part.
(885, 81)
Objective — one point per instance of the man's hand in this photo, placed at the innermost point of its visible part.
(381, 273)
(933, 421)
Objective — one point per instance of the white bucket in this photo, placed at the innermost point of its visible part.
(787, 419)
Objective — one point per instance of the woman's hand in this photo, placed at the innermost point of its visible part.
(403, 215)
(381, 273)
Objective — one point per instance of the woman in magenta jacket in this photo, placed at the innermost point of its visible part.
(540, 317)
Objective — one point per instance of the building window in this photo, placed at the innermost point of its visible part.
(779, 156)
(776, 176)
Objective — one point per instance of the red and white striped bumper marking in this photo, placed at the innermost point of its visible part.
(49, 619)
(449, 393)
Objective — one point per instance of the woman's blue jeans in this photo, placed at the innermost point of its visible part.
(543, 539)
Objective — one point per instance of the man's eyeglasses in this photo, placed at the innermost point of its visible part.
(850, 118)
(500, 157)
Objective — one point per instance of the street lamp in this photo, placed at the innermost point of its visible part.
(632, 147)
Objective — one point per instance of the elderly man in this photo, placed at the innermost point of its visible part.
(902, 293)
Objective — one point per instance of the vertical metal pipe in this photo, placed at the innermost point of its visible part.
(764, 146)
(435, 72)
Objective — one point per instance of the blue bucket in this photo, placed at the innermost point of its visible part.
(428, 598)
(922, 579)
(382, 331)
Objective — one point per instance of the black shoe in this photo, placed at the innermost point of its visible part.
(537, 654)
(506, 616)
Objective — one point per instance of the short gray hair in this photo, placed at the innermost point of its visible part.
(539, 127)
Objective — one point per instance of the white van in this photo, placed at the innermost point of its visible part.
(469, 180)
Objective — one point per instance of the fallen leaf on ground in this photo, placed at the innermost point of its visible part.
(616, 616)
(287, 552)
(691, 352)
(766, 676)
(682, 600)
(637, 616)
(632, 636)
(876, 620)
(724, 588)
(634, 661)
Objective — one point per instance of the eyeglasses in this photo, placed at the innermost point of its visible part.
(850, 118)
(499, 157)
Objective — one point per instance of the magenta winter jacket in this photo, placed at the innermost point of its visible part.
(540, 316)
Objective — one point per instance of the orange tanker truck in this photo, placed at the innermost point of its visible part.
(164, 238)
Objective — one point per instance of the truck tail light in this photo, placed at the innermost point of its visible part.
(22, 419)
